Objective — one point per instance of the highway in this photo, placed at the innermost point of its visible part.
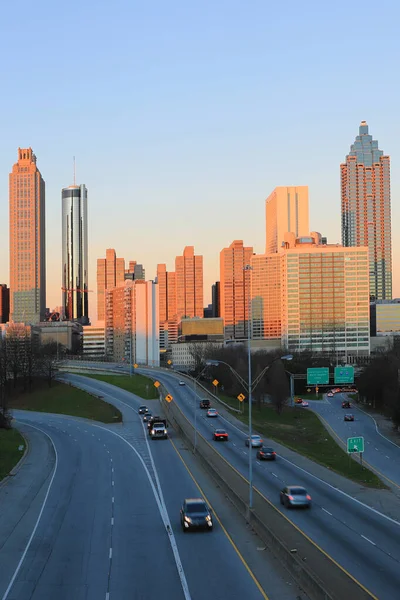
(109, 526)
(380, 453)
(362, 541)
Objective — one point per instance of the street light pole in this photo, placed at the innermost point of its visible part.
(250, 384)
(195, 416)
(130, 351)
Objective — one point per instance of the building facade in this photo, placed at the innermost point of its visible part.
(366, 212)
(75, 287)
(166, 281)
(325, 297)
(189, 284)
(215, 299)
(110, 274)
(286, 210)
(4, 303)
(27, 240)
(266, 296)
(94, 342)
(385, 317)
(235, 289)
(132, 323)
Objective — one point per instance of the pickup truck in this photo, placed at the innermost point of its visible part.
(205, 403)
(156, 419)
(158, 430)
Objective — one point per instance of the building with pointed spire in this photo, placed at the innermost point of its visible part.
(366, 213)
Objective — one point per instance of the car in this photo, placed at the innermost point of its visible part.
(304, 403)
(295, 495)
(143, 410)
(181, 382)
(265, 453)
(346, 404)
(205, 403)
(195, 514)
(330, 395)
(147, 416)
(220, 435)
(298, 400)
(348, 417)
(212, 412)
(256, 441)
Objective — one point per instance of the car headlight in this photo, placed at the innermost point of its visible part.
(188, 519)
(152, 431)
(208, 518)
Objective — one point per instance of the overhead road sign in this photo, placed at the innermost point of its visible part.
(344, 374)
(318, 376)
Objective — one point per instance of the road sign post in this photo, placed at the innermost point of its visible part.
(355, 445)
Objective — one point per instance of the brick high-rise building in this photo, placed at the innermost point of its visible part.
(27, 240)
(189, 284)
(366, 215)
(166, 281)
(234, 289)
(110, 274)
(4, 303)
(286, 210)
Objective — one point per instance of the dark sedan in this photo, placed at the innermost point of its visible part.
(295, 495)
(220, 435)
(266, 453)
(147, 416)
(348, 417)
(195, 514)
(143, 410)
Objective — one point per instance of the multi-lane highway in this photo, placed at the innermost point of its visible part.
(363, 541)
(108, 526)
(380, 453)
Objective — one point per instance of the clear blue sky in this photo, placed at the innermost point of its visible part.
(183, 116)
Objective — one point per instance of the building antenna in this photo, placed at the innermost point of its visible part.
(74, 172)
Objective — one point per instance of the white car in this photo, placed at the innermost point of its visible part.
(256, 441)
(330, 395)
(182, 382)
(304, 403)
(212, 412)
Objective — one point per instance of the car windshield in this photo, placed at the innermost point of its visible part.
(297, 492)
(267, 450)
(196, 507)
(255, 437)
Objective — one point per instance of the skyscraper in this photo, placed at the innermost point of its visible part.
(189, 284)
(27, 240)
(75, 253)
(110, 274)
(166, 281)
(286, 210)
(365, 194)
(234, 289)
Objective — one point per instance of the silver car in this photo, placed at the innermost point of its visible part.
(256, 441)
(295, 495)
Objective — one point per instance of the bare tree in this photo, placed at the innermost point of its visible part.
(278, 385)
(48, 364)
(5, 417)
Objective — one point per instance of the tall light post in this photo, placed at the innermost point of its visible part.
(195, 405)
(249, 327)
(249, 386)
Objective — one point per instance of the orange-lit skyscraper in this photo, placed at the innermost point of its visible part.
(168, 319)
(27, 240)
(234, 289)
(110, 274)
(189, 284)
(366, 218)
(286, 209)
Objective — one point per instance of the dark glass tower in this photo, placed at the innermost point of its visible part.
(366, 215)
(75, 254)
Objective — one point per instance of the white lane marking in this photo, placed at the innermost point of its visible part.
(112, 520)
(368, 540)
(93, 434)
(376, 428)
(327, 511)
(339, 491)
(75, 440)
(6, 593)
(110, 553)
(387, 456)
(112, 500)
(275, 475)
(112, 483)
(244, 452)
(377, 449)
(85, 430)
(108, 596)
(160, 505)
(112, 469)
(258, 463)
(111, 459)
(108, 452)
(233, 443)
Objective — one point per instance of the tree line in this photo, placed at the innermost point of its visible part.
(22, 359)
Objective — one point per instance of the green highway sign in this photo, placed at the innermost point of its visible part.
(344, 374)
(355, 444)
(318, 376)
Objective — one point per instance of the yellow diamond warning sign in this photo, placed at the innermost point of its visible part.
(241, 397)
(169, 398)
(215, 382)
(157, 384)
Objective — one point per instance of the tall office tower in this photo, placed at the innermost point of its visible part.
(215, 293)
(365, 191)
(110, 274)
(4, 303)
(132, 326)
(189, 284)
(266, 296)
(235, 289)
(166, 281)
(27, 240)
(75, 254)
(286, 209)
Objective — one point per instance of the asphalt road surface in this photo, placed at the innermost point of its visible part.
(380, 453)
(108, 523)
(364, 542)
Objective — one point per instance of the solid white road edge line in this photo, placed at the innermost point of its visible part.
(368, 540)
(6, 593)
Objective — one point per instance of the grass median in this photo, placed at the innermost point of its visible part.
(12, 447)
(137, 384)
(300, 430)
(64, 399)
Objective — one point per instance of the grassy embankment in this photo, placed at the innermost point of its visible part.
(300, 430)
(10, 450)
(137, 384)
